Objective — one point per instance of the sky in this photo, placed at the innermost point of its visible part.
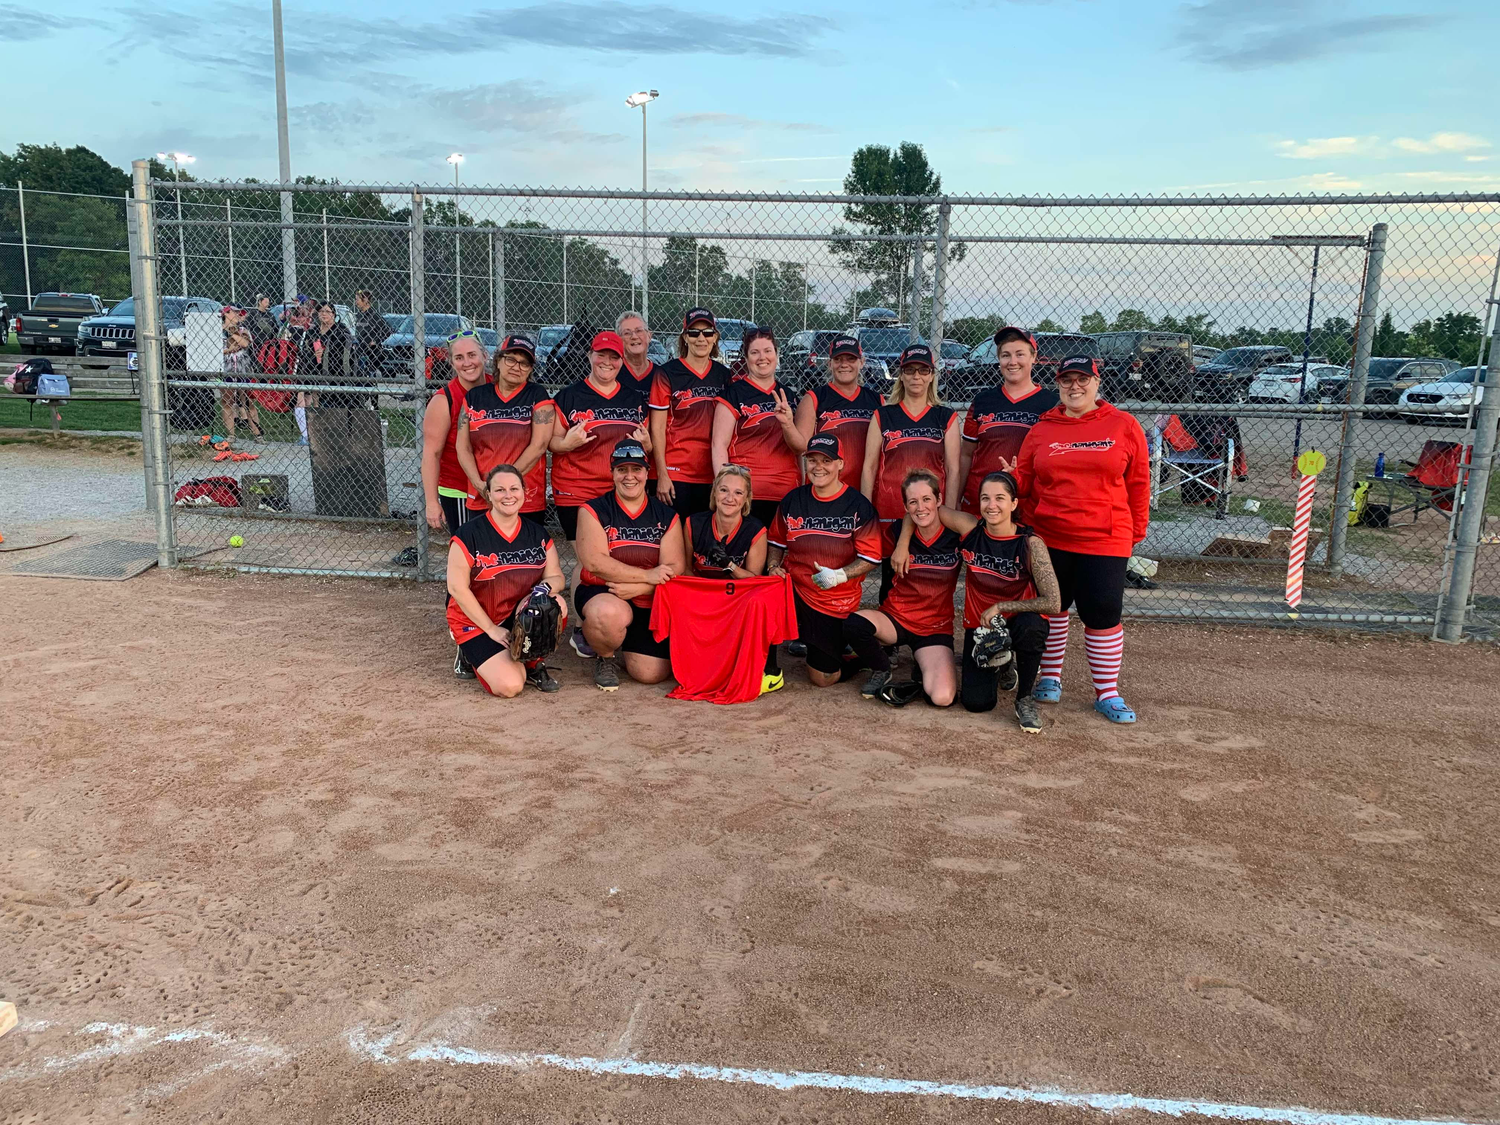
(1073, 97)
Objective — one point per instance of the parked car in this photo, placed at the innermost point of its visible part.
(1202, 353)
(875, 318)
(549, 337)
(657, 352)
(436, 328)
(1227, 377)
(731, 333)
(1389, 377)
(981, 368)
(489, 338)
(1453, 393)
(1283, 382)
(804, 361)
(51, 324)
(1156, 366)
(392, 321)
(113, 332)
(5, 322)
(954, 353)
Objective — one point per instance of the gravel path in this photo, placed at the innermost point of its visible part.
(42, 484)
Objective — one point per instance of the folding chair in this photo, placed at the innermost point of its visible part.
(1195, 465)
(1430, 485)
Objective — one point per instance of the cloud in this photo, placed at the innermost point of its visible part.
(23, 24)
(1442, 142)
(1241, 36)
(1332, 181)
(740, 121)
(655, 29)
(333, 117)
(1319, 148)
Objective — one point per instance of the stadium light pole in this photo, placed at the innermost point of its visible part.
(455, 159)
(284, 157)
(643, 98)
(178, 159)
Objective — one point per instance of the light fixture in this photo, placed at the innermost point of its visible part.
(641, 98)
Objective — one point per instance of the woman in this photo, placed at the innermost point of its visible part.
(999, 418)
(913, 430)
(842, 406)
(1009, 574)
(238, 364)
(507, 422)
(445, 485)
(331, 349)
(726, 541)
(299, 326)
(494, 562)
(918, 610)
(755, 426)
(593, 414)
(684, 398)
(1085, 481)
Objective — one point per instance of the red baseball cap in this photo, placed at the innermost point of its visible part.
(1011, 332)
(608, 341)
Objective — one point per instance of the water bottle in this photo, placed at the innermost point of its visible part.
(1379, 465)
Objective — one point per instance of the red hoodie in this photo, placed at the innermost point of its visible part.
(1086, 482)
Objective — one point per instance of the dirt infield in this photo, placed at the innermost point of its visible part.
(263, 859)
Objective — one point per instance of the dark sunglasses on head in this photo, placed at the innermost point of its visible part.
(696, 333)
(469, 332)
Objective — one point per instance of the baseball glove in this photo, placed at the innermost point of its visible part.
(534, 632)
(717, 556)
(992, 645)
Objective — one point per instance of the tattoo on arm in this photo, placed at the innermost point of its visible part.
(544, 417)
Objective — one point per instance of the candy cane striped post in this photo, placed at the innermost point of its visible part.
(1297, 555)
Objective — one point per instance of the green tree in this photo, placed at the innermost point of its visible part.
(1453, 335)
(972, 330)
(1389, 341)
(1092, 323)
(1131, 320)
(1049, 325)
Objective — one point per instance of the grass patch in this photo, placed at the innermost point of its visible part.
(79, 414)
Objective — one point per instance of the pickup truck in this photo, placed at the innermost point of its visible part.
(51, 324)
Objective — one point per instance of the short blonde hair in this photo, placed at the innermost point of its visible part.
(898, 391)
(731, 471)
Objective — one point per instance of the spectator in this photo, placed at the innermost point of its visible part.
(370, 331)
(262, 324)
(298, 324)
(237, 368)
(328, 350)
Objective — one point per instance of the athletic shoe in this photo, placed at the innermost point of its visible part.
(877, 683)
(581, 646)
(606, 675)
(1048, 690)
(1027, 715)
(461, 667)
(770, 682)
(1009, 677)
(1114, 709)
(538, 677)
(796, 648)
(900, 694)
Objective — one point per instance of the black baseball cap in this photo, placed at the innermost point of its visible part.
(628, 451)
(1078, 365)
(824, 444)
(698, 314)
(1011, 332)
(916, 353)
(844, 345)
(516, 342)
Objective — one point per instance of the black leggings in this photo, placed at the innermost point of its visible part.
(764, 510)
(980, 687)
(455, 512)
(1095, 584)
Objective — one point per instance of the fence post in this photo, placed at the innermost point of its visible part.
(752, 290)
(1475, 493)
(25, 247)
(327, 289)
(1359, 373)
(940, 283)
(229, 227)
(419, 359)
(148, 343)
(133, 240)
(916, 288)
(804, 297)
(499, 268)
(696, 299)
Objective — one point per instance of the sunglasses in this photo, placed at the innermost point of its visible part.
(697, 333)
(469, 332)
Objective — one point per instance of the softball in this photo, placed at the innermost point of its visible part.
(236, 540)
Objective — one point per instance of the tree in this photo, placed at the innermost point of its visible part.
(1092, 323)
(1049, 325)
(1388, 340)
(1453, 335)
(972, 330)
(1131, 320)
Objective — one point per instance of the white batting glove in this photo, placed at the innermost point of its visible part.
(827, 579)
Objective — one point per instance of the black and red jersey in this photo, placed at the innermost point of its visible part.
(634, 538)
(921, 600)
(997, 424)
(583, 474)
(999, 571)
(736, 545)
(909, 442)
(832, 533)
(642, 381)
(689, 400)
(758, 442)
(502, 571)
(848, 419)
(500, 431)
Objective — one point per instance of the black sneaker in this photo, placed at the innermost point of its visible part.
(796, 648)
(606, 675)
(1028, 715)
(407, 556)
(876, 684)
(538, 677)
(461, 667)
(900, 694)
(1009, 677)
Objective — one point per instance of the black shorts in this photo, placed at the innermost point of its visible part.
(455, 511)
(567, 517)
(914, 641)
(638, 636)
(824, 637)
(689, 498)
(483, 647)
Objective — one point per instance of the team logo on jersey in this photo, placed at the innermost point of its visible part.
(1005, 418)
(692, 396)
(602, 414)
(934, 560)
(1002, 565)
(833, 417)
(490, 565)
(894, 438)
(838, 525)
(755, 411)
(648, 534)
(478, 419)
(1060, 447)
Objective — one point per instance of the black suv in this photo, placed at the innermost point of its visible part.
(1389, 377)
(981, 368)
(804, 361)
(1156, 366)
(1227, 377)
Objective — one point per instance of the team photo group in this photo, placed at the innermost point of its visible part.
(720, 520)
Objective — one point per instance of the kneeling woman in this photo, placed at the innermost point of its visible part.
(1009, 575)
(494, 562)
(629, 543)
(918, 609)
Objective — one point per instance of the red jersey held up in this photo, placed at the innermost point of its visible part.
(848, 419)
(500, 431)
(921, 600)
(502, 571)
(999, 571)
(833, 533)
(996, 424)
(634, 538)
(689, 400)
(583, 474)
(908, 443)
(720, 630)
(1086, 482)
(758, 442)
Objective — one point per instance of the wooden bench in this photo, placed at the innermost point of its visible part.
(90, 379)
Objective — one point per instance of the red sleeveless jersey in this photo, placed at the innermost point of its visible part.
(500, 431)
(501, 571)
(908, 443)
(921, 600)
(450, 472)
(701, 529)
(720, 631)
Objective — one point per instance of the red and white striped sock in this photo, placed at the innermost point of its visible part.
(1106, 649)
(1057, 644)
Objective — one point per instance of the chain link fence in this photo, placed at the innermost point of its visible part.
(1235, 330)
